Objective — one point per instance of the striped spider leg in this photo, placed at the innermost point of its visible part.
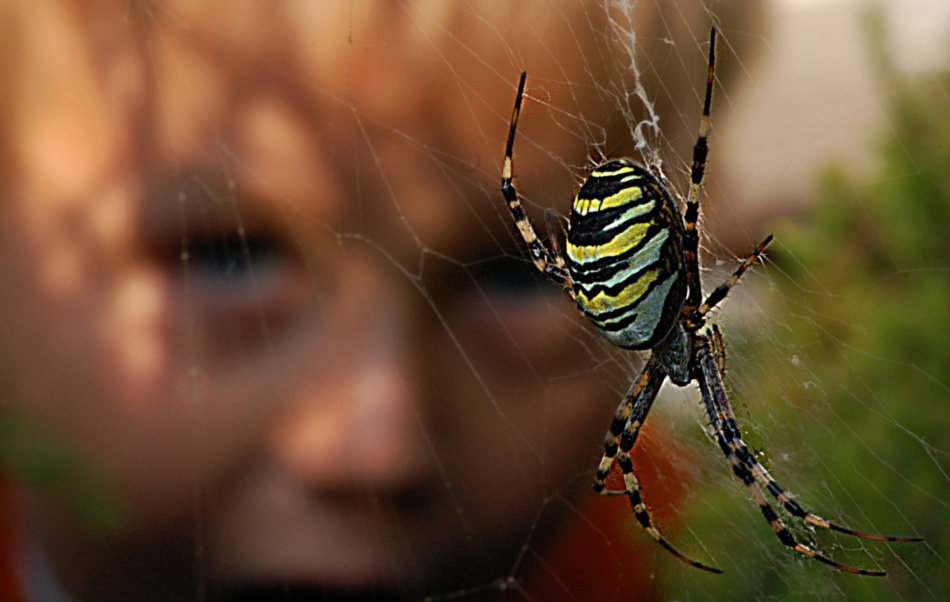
(750, 471)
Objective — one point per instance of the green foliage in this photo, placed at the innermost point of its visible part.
(885, 246)
(35, 458)
(869, 279)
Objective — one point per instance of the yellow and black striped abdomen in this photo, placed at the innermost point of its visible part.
(625, 254)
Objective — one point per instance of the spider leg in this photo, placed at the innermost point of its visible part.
(554, 235)
(718, 350)
(540, 256)
(731, 429)
(627, 420)
(626, 424)
(691, 217)
(720, 292)
(753, 474)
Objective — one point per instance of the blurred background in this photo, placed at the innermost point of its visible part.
(830, 130)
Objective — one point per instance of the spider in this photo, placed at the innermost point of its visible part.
(632, 269)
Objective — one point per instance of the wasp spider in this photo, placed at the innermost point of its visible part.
(631, 267)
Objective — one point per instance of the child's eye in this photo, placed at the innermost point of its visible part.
(245, 287)
(236, 260)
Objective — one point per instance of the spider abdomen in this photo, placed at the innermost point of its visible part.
(625, 254)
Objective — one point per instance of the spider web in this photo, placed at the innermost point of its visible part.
(848, 419)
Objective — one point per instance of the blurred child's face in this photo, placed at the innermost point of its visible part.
(272, 303)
